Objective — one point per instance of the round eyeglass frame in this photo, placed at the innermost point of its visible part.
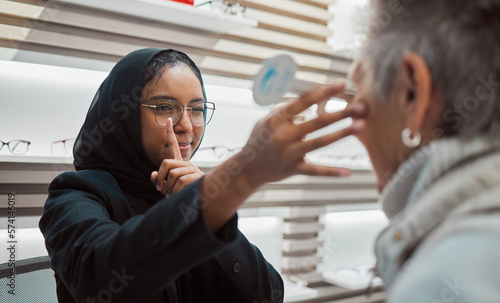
(13, 149)
(207, 119)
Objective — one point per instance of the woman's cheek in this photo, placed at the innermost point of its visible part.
(361, 135)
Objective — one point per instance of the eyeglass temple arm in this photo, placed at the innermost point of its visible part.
(201, 4)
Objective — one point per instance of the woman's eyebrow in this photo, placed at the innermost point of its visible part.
(165, 97)
(197, 100)
(161, 97)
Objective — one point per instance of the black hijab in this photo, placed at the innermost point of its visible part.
(110, 138)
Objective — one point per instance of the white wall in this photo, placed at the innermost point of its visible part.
(265, 233)
(42, 103)
(349, 238)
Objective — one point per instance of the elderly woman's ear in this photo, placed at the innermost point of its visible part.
(419, 103)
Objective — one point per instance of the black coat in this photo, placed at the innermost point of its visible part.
(109, 246)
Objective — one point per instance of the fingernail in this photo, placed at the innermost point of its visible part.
(158, 188)
(358, 125)
(345, 173)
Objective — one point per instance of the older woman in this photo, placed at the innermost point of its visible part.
(430, 75)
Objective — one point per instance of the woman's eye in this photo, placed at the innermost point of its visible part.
(165, 107)
(198, 111)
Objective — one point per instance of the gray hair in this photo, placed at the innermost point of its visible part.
(459, 40)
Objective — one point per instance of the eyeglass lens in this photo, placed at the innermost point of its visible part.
(225, 6)
(201, 113)
(221, 152)
(16, 147)
(62, 146)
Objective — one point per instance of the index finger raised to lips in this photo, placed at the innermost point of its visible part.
(172, 141)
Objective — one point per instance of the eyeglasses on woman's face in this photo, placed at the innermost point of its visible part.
(16, 147)
(201, 112)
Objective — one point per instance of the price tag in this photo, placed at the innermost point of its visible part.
(274, 79)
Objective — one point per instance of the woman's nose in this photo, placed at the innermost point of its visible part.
(184, 124)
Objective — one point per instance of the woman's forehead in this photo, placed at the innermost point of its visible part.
(174, 82)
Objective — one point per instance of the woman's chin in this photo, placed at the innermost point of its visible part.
(186, 155)
(382, 179)
(380, 187)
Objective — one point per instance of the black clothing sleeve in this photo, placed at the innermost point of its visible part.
(104, 247)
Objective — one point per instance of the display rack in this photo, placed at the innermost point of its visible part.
(171, 12)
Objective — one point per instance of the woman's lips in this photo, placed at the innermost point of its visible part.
(184, 146)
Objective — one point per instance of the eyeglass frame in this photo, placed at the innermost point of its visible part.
(230, 151)
(229, 7)
(154, 106)
(11, 141)
(359, 270)
(339, 158)
(64, 144)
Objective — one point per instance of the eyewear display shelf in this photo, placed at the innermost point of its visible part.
(328, 293)
(299, 200)
(171, 12)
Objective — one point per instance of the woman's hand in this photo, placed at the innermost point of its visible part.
(276, 148)
(174, 174)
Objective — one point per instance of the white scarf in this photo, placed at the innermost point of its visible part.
(438, 182)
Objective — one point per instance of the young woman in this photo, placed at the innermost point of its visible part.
(112, 234)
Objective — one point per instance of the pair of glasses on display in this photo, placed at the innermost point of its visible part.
(343, 159)
(357, 277)
(220, 152)
(200, 113)
(227, 7)
(62, 147)
(16, 147)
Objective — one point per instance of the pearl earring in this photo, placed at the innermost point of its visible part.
(410, 142)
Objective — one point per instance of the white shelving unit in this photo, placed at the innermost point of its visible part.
(42, 159)
(171, 12)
